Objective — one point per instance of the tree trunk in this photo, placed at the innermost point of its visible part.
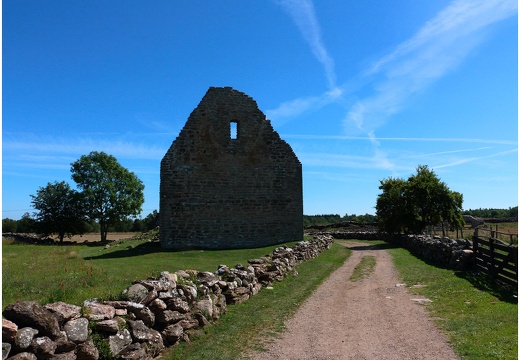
(104, 235)
(103, 226)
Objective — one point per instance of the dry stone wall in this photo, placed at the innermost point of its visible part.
(225, 190)
(450, 253)
(155, 313)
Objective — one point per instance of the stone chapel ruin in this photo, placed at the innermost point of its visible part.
(229, 180)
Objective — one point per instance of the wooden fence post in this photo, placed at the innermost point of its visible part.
(492, 254)
(475, 247)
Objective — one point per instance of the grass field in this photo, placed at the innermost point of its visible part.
(480, 320)
(505, 230)
(76, 272)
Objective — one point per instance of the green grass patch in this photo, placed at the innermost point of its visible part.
(74, 273)
(244, 326)
(480, 320)
(364, 268)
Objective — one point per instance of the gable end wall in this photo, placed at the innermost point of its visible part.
(218, 192)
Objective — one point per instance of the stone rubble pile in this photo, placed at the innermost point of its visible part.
(155, 313)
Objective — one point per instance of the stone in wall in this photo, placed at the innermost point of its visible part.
(223, 190)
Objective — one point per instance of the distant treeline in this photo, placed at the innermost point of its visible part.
(327, 219)
(512, 212)
(28, 225)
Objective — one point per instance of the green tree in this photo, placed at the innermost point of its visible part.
(493, 213)
(452, 210)
(393, 210)
(125, 225)
(111, 192)
(60, 210)
(151, 221)
(422, 200)
(26, 224)
(9, 225)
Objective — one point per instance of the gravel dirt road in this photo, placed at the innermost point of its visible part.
(373, 318)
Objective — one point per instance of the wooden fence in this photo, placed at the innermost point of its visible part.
(495, 257)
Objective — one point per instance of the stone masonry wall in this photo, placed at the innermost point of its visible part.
(224, 191)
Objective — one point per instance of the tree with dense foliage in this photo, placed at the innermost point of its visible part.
(329, 219)
(512, 212)
(151, 221)
(26, 224)
(9, 225)
(392, 208)
(363, 219)
(325, 219)
(60, 210)
(111, 192)
(420, 201)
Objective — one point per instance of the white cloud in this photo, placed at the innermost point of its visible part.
(475, 158)
(299, 106)
(452, 27)
(395, 161)
(320, 159)
(369, 138)
(303, 14)
(31, 145)
(446, 152)
(380, 156)
(438, 47)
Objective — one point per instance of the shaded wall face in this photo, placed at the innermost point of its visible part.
(225, 188)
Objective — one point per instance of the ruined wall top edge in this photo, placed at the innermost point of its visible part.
(208, 128)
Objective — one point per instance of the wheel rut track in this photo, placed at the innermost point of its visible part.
(372, 318)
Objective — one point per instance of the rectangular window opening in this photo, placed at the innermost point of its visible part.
(234, 130)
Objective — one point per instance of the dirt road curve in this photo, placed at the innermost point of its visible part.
(374, 318)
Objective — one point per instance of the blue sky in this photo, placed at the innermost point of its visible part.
(361, 90)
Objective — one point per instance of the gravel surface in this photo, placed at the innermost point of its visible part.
(373, 318)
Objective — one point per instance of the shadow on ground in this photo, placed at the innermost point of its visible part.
(484, 283)
(130, 251)
(480, 281)
(372, 247)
